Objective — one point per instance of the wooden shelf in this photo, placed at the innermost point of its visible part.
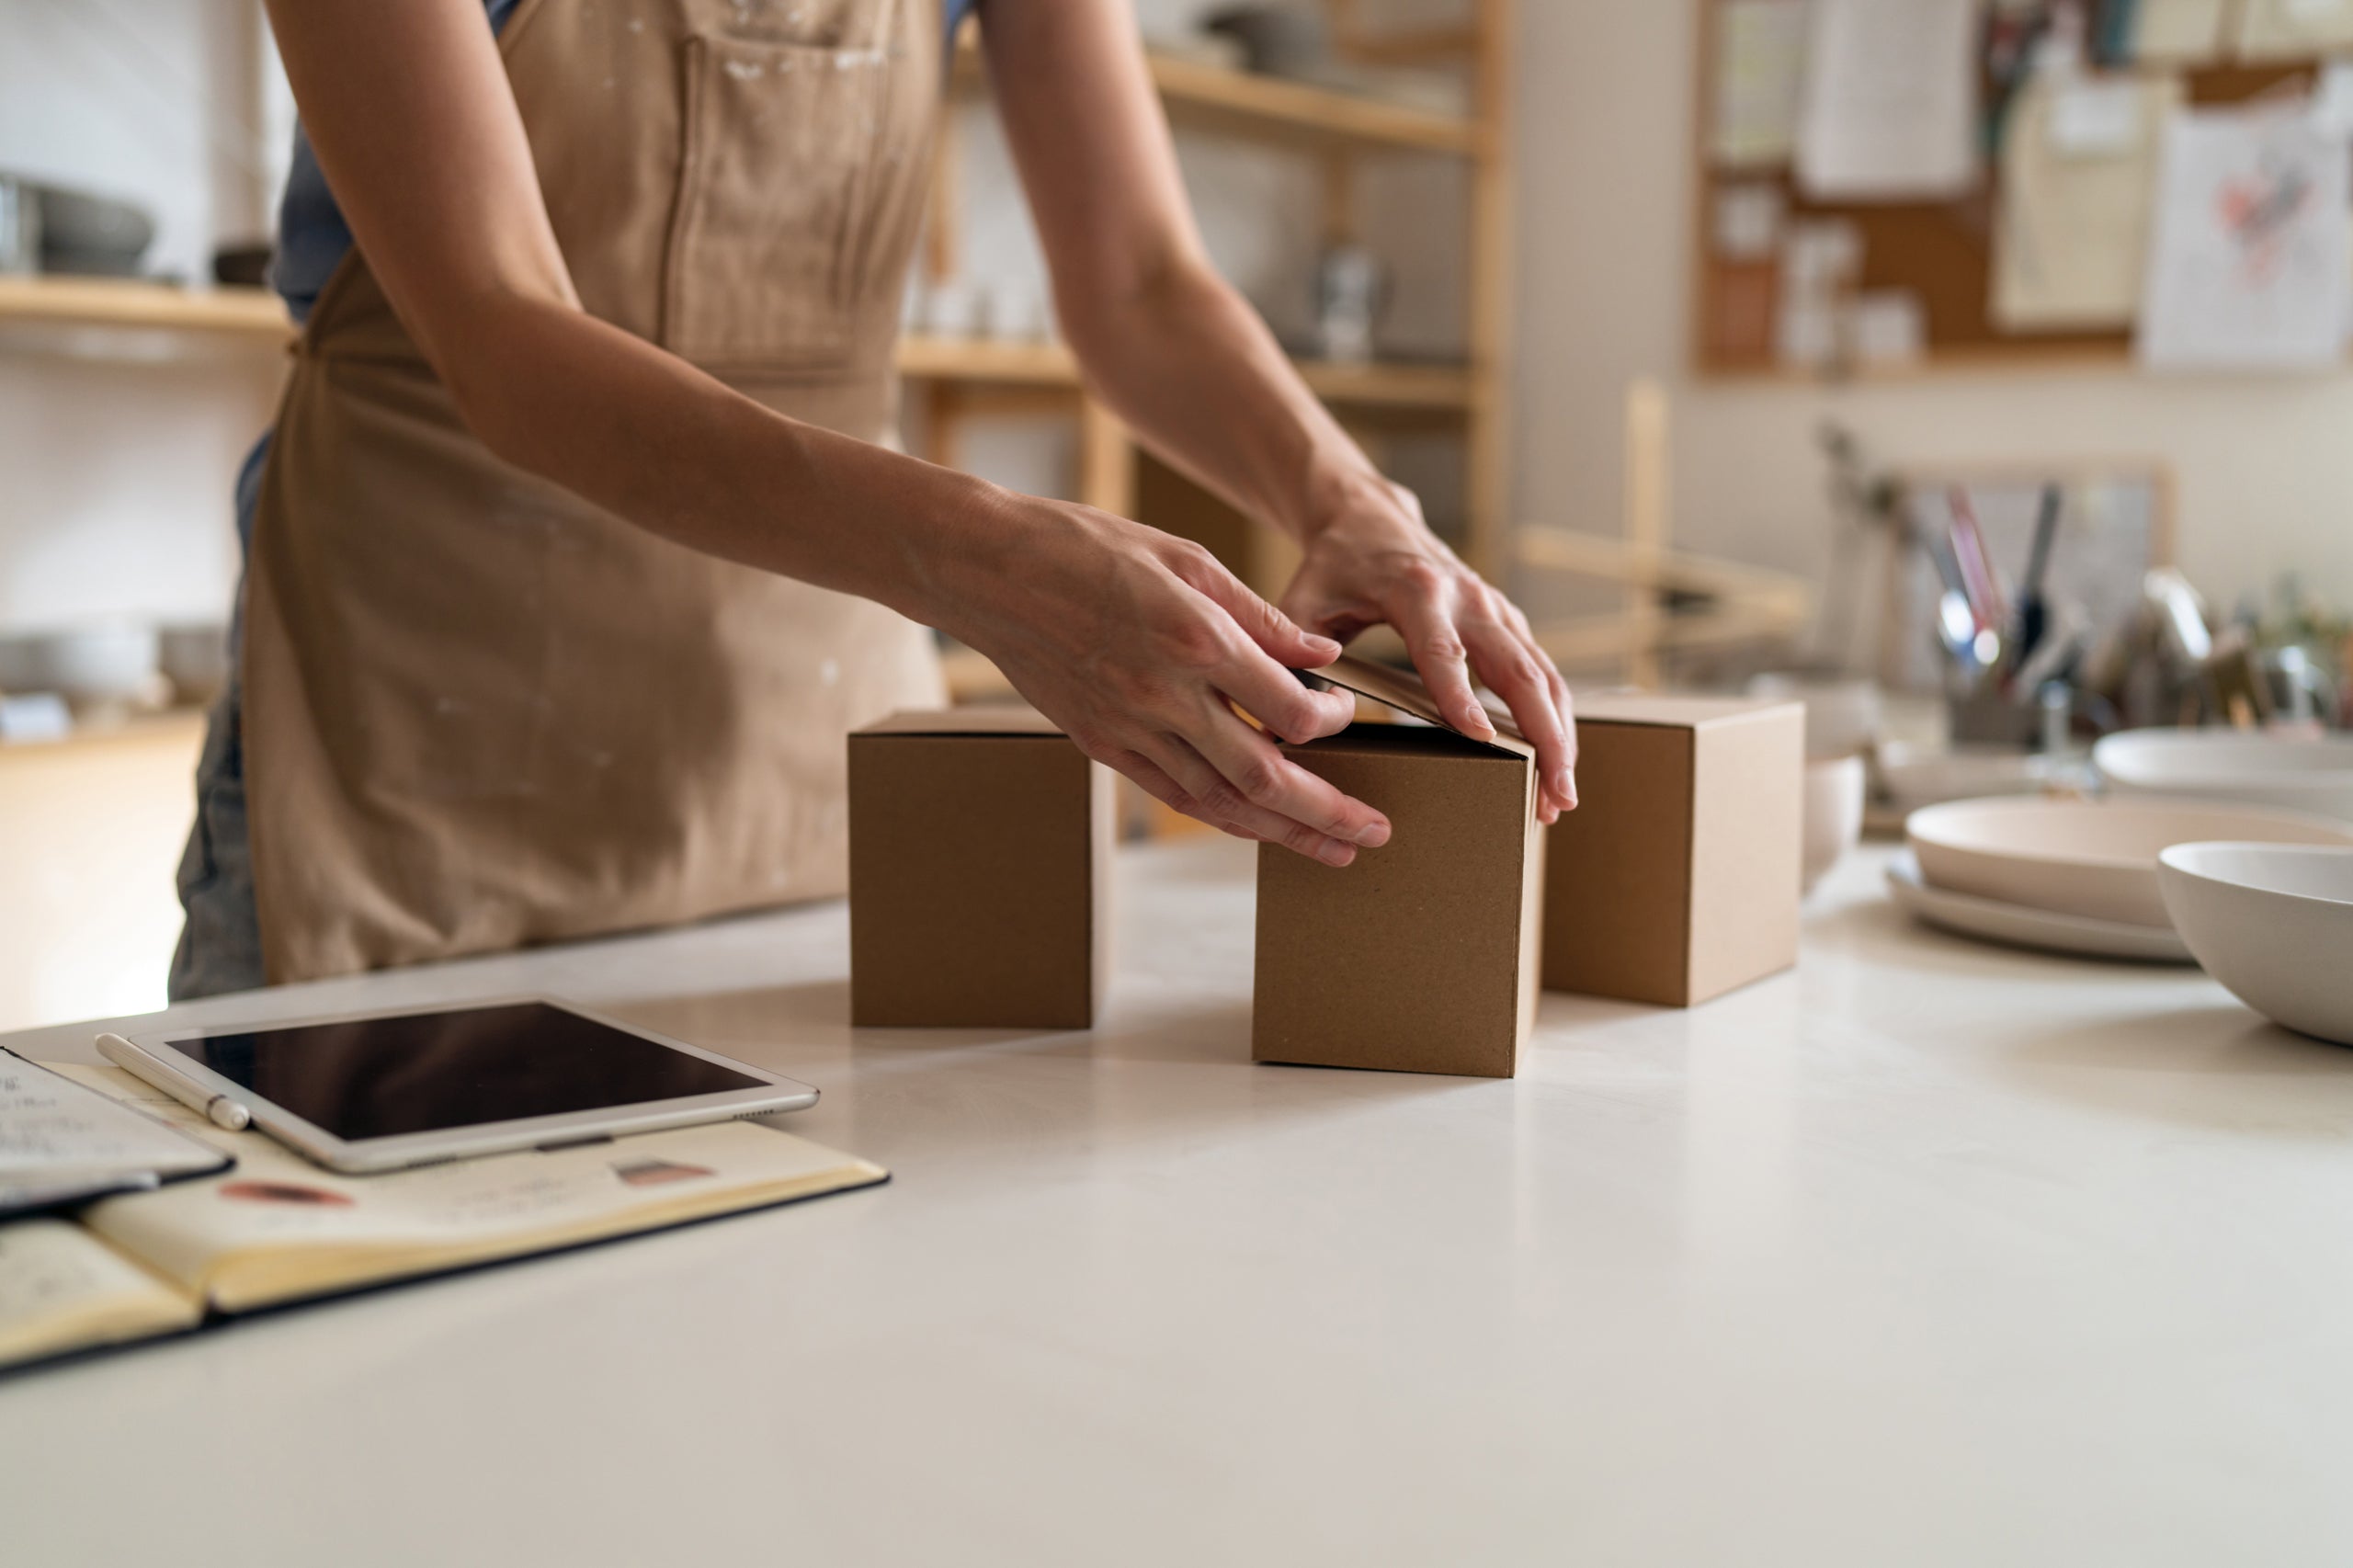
(1297, 109)
(1953, 361)
(987, 359)
(1270, 106)
(131, 303)
(988, 362)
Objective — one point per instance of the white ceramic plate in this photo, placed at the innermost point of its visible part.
(2016, 926)
(2091, 858)
(2295, 774)
(2273, 923)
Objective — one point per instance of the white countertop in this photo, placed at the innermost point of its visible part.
(1927, 1252)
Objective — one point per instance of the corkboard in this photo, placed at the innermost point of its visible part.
(1942, 252)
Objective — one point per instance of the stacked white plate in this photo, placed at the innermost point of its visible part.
(2071, 876)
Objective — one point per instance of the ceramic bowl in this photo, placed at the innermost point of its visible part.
(196, 660)
(1833, 815)
(2295, 774)
(2273, 924)
(93, 665)
(2096, 859)
(1913, 776)
(1842, 715)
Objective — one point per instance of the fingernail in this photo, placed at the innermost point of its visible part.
(1373, 836)
(1564, 787)
(1476, 719)
(1323, 647)
(1333, 852)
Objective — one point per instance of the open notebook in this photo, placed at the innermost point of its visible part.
(277, 1229)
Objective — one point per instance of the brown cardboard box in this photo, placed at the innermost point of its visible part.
(980, 860)
(1676, 878)
(1420, 957)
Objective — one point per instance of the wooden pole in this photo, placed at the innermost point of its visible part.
(1488, 427)
(1647, 513)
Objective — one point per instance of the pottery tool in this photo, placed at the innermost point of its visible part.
(2034, 610)
(1975, 560)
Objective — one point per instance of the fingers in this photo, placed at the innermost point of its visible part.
(1150, 776)
(1275, 697)
(1236, 775)
(1425, 617)
(1270, 628)
(1517, 672)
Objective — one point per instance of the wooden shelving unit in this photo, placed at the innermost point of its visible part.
(1339, 129)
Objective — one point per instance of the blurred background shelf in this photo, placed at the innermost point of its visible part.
(1196, 92)
(1358, 147)
(993, 362)
(133, 302)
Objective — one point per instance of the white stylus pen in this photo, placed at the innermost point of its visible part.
(220, 1110)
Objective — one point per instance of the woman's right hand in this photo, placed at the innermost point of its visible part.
(1141, 646)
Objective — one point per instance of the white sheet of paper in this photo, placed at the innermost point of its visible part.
(2100, 118)
(2251, 264)
(1760, 74)
(2333, 97)
(2188, 31)
(1891, 100)
(2071, 238)
(1748, 221)
(2289, 29)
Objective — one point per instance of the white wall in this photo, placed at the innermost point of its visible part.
(1605, 118)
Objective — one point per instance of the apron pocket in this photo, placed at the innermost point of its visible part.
(762, 267)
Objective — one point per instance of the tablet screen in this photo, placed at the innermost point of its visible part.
(384, 1077)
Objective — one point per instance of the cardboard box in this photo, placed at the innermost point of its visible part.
(1675, 880)
(1421, 957)
(980, 861)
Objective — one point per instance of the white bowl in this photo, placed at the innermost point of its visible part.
(1833, 815)
(1842, 713)
(1928, 775)
(2274, 925)
(2292, 773)
(2096, 859)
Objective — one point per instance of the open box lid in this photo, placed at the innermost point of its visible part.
(1403, 691)
(1675, 711)
(1005, 719)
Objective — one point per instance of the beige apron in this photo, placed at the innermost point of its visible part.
(481, 712)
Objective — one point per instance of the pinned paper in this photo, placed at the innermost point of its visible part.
(2097, 120)
(2079, 170)
(2292, 29)
(1748, 221)
(1760, 74)
(2188, 33)
(1891, 100)
(2252, 263)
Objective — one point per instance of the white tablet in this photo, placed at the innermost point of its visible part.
(379, 1091)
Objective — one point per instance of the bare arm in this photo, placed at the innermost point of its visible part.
(1185, 361)
(1134, 642)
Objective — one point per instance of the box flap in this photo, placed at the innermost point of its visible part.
(1404, 690)
(1005, 719)
(1678, 712)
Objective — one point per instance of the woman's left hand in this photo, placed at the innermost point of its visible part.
(1371, 560)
